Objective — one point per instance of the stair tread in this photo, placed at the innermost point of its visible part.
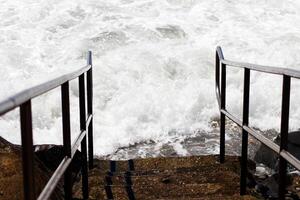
(163, 163)
(195, 177)
(216, 197)
(170, 190)
(176, 177)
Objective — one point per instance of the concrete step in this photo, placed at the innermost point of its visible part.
(214, 197)
(163, 163)
(156, 191)
(195, 177)
(180, 176)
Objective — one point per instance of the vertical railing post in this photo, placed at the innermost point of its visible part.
(223, 105)
(90, 109)
(244, 169)
(27, 150)
(284, 128)
(65, 99)
(84, 168)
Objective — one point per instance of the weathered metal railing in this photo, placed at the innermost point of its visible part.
(281, 150)
(23, 100)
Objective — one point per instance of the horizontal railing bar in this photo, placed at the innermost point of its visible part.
(261, 68)
(77, 143)
(290, 158)
(233, 118)
(265, 69)
(262, 139)
(88, 121)
(25, 95)
(252, 132)
(80, 137)
(57, 175)
(218, 98)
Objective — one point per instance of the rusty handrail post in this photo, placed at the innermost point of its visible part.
(82, 116)
(284, 128)
(90, 109)
(27, 150)
(222, 117)
(65, 99)
(244, 159)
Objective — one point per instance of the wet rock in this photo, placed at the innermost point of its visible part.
(261, 172)
(272, 186)
(269, 158)
(266, 156)
(268, 187)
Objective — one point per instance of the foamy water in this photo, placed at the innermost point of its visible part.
(153, 63)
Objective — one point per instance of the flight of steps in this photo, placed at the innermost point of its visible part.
(196, 177)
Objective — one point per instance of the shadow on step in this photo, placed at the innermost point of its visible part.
(127, 178)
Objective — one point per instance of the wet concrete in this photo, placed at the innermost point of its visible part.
(195, 177)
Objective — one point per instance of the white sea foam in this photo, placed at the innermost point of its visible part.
(153, 63)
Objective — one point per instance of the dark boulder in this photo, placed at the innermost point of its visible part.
(269, 158)
(269, 187)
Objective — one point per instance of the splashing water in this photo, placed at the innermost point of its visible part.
(153, 63)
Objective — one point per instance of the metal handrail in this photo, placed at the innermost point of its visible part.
(281, 150)
(260, 68)
(23, 101)
(27, 94)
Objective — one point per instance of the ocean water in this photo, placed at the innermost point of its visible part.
(153, 64)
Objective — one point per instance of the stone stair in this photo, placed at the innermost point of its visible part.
(196, 177)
